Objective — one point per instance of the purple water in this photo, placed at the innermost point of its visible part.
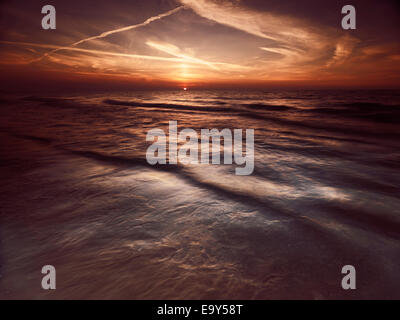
(78, 194)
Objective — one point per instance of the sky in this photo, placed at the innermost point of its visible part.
(200, 43)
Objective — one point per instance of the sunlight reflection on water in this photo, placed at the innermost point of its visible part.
(324, 192)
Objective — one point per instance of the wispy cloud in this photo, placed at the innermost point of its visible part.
(110, 32)
(176, 52)
(344, 48)
(292, 40)
(95, 52)
(231, 14)
(209, 40)
(280, 28)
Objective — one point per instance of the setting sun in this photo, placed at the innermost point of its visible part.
(237, 44)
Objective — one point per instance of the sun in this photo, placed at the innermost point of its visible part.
(185, 89)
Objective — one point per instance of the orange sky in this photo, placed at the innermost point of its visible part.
(200, 43)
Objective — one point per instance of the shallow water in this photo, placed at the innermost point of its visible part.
(78, 194)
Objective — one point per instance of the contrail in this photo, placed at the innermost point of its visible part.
(107, 33)
(98, 52)
(177, 57)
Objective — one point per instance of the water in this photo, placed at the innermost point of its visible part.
(78, 194)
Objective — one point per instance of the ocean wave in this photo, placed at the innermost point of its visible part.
(167, 106)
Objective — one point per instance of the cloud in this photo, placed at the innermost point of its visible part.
(176, 52)
(343, 50)
(107, 33)
(227, 13)
(280, 28)
(90, 51)
(292, 39)
(210, 40)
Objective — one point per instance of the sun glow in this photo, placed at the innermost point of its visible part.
(261, 47)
